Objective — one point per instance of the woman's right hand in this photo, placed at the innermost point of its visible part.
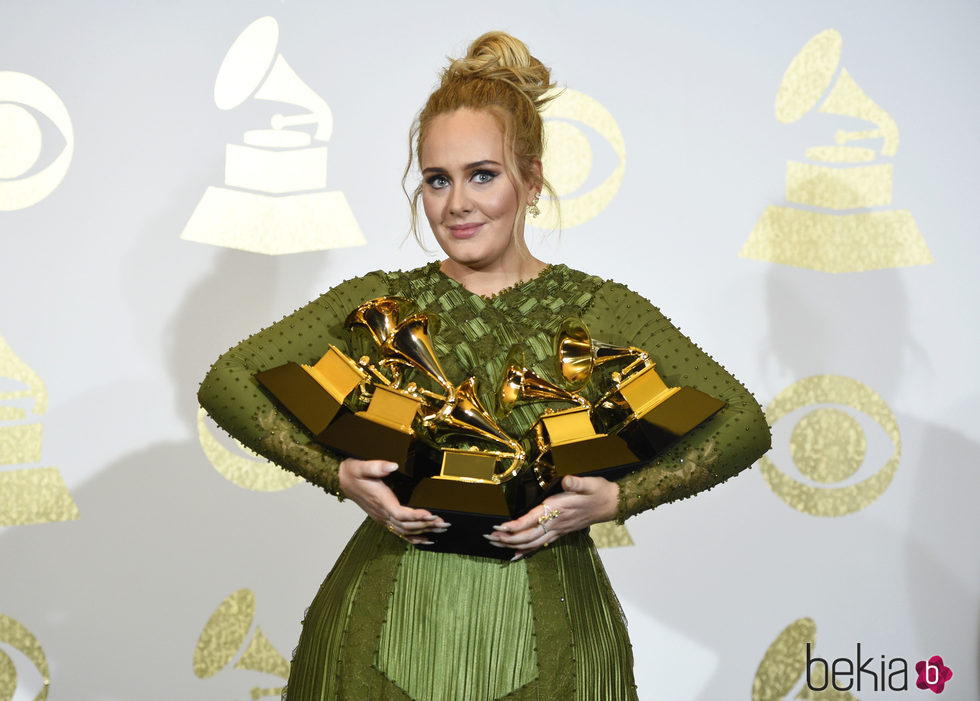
(361, 482)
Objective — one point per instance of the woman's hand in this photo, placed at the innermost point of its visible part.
(586, 500)
(361, 482)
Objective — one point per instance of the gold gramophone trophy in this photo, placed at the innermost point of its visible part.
(639, 407)
(566, 440)
(470, 490)
(317, 395)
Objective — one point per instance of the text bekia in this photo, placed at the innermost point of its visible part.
(844, 674)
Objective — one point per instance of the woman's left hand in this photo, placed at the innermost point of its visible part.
(586, 500)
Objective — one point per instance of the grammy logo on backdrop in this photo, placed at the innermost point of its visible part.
(274, 199)
(224, 635)
(836, 222)
(28, 495)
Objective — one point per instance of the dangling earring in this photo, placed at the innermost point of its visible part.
(532, 208)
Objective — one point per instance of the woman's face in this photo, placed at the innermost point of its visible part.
(469, 198)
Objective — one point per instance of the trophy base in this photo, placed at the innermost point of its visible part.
(605, 455)
(652, 433)
(362, 438)
(473, 509)
(303, 396)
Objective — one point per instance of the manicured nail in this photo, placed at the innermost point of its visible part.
(427, 542)
(501, 528)
(488, 536)
(517, 557)
(438, 530)
(431, 517)
(391, 467)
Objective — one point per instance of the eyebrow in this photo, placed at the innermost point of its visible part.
(468, 166)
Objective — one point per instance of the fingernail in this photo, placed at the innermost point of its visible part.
(488, 536)
(431, 517)
(438, 530)
(445, 524)
(501, 528)
(517, 557)
(391, 467)
(497, 545)
(428, 542)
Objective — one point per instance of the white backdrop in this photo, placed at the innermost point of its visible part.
(107, 582)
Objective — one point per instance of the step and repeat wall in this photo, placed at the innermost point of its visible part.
(794, 184)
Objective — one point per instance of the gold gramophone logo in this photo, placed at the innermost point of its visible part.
(22, 141)
(274, 199)
(568, 159)
(224, 636)
(239, 465)
(828, 446)
(784, 665)
(31, 494)
(837, 219)
(19, 638)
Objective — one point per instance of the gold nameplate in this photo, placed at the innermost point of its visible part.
(568, 425)
(336, 373)
(468, 466)
(644, 390)
(392, 407)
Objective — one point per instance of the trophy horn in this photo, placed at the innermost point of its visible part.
(520, 383)
(578, 354)
(379, 316)
(468, 417)
(410, 345)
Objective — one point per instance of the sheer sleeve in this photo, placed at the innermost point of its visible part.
(721, 447)
(238, 404)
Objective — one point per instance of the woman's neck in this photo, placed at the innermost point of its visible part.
(488, 282)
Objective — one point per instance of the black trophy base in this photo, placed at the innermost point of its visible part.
(602, 456)
(655, 431)
(472, 509)
(303, 396)
(359, 437)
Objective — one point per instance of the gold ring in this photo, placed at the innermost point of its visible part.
(543, 527)
(546, 543)
(549, 513)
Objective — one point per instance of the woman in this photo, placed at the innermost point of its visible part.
(394, 621)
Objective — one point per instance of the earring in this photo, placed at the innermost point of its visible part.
(533, 208)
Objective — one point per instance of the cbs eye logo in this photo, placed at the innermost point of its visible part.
(568, 159)
(15, 635)
(22, 141)
(829, 446)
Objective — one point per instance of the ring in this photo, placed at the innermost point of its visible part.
(391, 528)
(541, 523)
(546, 543)
(549, 513)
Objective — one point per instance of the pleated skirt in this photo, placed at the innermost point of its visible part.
(394, 622)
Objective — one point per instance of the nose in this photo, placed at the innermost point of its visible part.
(459, 202)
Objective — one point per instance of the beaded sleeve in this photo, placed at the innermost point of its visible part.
(234, 399)
(722, 446)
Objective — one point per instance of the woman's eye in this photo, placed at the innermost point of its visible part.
(437, 182)
(483, 176)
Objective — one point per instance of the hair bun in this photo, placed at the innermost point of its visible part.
(499, 56)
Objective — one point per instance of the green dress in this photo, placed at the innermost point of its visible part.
(394, 622)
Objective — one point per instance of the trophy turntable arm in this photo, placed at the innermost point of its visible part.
(234, 399)
(718, 449)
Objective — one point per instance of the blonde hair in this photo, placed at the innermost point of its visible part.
(499, 76)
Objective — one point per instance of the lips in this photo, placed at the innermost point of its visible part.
(464, 231)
